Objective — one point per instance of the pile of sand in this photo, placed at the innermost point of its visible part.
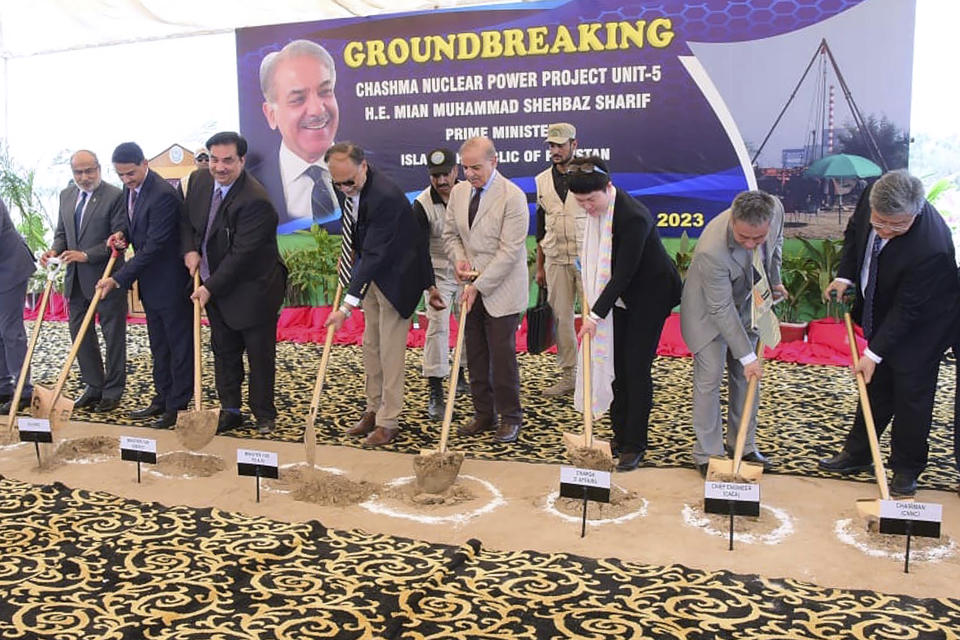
(83, 448)
(621, 503)
(188, 464)
(328, 489)
(437, 472)
(408, 494)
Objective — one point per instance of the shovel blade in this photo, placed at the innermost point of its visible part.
(196, 429)
(436, 471)
(575, 441)
(43, 406)
(869, 508)
(719, 466)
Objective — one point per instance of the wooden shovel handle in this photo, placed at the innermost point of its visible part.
(587, 374)
(454, 378)
(84, 326)
(745, 415)
(324, 359)
(879, 471)
(197, 347)
(34, 335)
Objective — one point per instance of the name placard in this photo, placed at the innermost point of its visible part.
(138, 449)
(573, 482)
(744, 496)
(924, 518)
(34, 430)
(257, 463)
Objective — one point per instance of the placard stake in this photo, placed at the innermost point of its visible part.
(139, 453)
(730, 502)
(583, 522)
(258, 483)
(906, 556)
(36, 445)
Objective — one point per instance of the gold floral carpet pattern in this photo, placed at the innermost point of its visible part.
(78, 564)
(805, 410)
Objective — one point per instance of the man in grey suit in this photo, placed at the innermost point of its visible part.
(16, 267)
(715, 317)
(88, 216)
(486, 230)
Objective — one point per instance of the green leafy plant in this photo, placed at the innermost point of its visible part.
(684, 255)
(799, 277)
(312, 277)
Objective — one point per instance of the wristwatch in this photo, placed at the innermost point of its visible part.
(345, 310)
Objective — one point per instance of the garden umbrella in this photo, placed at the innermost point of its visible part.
(843, 165)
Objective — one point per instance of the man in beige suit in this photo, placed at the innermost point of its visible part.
(715, 317)
(485, 231)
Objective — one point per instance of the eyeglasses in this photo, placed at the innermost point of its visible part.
(345, 183)
(203, 157)
(895, 228)
(585, 167)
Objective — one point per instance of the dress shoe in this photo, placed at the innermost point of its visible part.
(364, 425)
(87, 399)
(5, 397)
(435, 404)
(106, 405)
(166, 420)
(228, 420)
(758, 458)
(381, 436)
(463, 385)
(265, 425)
(630, 460)
(507, 432)
(475, 427)
(843, 462)
(562, 387)
(21, 406)
(903, 484)
(146, 412)
(614, 449)
(702, 469)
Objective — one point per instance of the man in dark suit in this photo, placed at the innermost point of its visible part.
(640, 285)
(89, 214)
(298, 84)
(152, 213)
(390, 269)
(898, 256)
(16, 267)
(229, 234)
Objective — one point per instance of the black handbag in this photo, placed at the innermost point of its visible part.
(541, 331)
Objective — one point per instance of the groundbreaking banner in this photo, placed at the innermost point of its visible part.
(677, 97)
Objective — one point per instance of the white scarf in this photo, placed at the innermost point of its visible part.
(595, 263)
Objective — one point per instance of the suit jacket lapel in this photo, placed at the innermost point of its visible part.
(70, 223)
(88, 212)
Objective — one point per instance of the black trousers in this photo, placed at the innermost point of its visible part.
(906, 397)
(492, 359)
(636, 334)
(260, 344)
(170, 330)
(956, 409)
(112, 312)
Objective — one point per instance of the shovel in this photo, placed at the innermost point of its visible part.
(740, 470)
(436, 469)
(53, 265)
(196, 429)
(583, 449)
(868, 507)
(310, 434)
(50, 403)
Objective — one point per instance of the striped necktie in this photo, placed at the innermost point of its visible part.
(871, 287)
(321, 202)
(347, 226)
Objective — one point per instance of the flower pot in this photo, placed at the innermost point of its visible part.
(793, 331)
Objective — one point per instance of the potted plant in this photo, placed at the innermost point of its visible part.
(798, 276)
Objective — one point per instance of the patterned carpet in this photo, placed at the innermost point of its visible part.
(80, 564)
(805, 410)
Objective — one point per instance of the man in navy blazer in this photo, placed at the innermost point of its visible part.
(153, 209)
(898, 256)
(16, 267)
(390, 270)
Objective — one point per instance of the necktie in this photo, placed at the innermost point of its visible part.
(871, 288)
(214, 207)
(321, 203)
(347, 226)
(78, 213)
(474, 207)
(133, 202)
